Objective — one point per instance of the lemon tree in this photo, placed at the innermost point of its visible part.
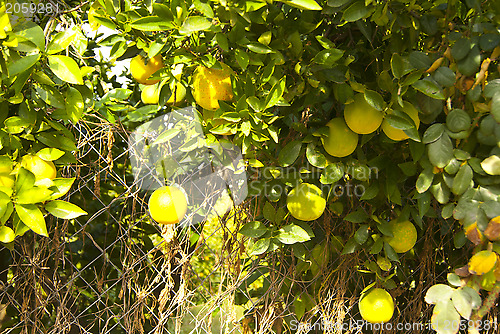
(299, 87)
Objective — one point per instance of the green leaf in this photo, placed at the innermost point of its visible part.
(430, 89)
(362, 234)
(33, 195)
(32, 32)
(253, 229)
(491, 165)
(194, 24)
(445, 318)
(359, 216)
(462, 302)
(350, 247)
(255, 103)
(374, 99)
(397, 65)
(275, 93)
(66, 69)
(269, 212)
(4, 202)
(50, 154)
(242, 58)
(15, 124)
(32, 217)
(291, 234)
(441, 151)
(424, 180)
(74, 104)
(462, 180)
(260, 246)
(332, 173)
(357, 11)
(315, 157)
(495, 107)
(6, 234)
(51, 96)
(64, 210)
(22, 64)
(152, 23)
(166, 136)
(441, 192)
(328, 57)
(259, 48)
(60, 187)
(61, 41)
(289, 153)
(433, 133)
(303, 4)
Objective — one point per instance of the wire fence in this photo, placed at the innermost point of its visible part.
(117, 271)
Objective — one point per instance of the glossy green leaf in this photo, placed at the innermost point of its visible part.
(462, 180)
(194, 24)
(491, 165)
(32, 217)
(315, 157)
(6, 234)
(74, 104)
(430, 89)
(66, 69)
(291, 234)
(441, 151)
(64, 210)
(22, 64)
(424, 180)
(33, 195)
(253, 229)
(289, 153)
(303, 4)
(260, 247)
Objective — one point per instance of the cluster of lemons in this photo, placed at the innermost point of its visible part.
(361, 118)
(42, 169)
(209, 85)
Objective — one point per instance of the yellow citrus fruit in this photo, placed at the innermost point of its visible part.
(150, 94)
(40, 168)
(142, 71)
(405, 236)
(361, 117)
(376, 306)
(178, 93)
(341, 141)
(397, 134)
(167, 205)
(211, 86)
(306, 202)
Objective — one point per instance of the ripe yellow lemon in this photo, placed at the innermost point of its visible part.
(150, 95)
(306, 202)
(142, 71)
(405, 236)
(167, 205)
(178, 93)
(376, 306)
(211, 86)
(341, 141)
(361, 117)
(397, 134)
(41, 168)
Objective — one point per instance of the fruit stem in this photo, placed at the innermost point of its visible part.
(488, 303)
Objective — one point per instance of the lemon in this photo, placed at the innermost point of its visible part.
(306, 202)
(150, 95)
(405, 236)
(167, 205)
(142, 71)
(178, 93)
(361, 117)
(397, 134)
(341, 141)
(376, 306)
(40, 168)
(211, 86)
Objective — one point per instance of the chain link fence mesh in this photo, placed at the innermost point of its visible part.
(116, 271)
